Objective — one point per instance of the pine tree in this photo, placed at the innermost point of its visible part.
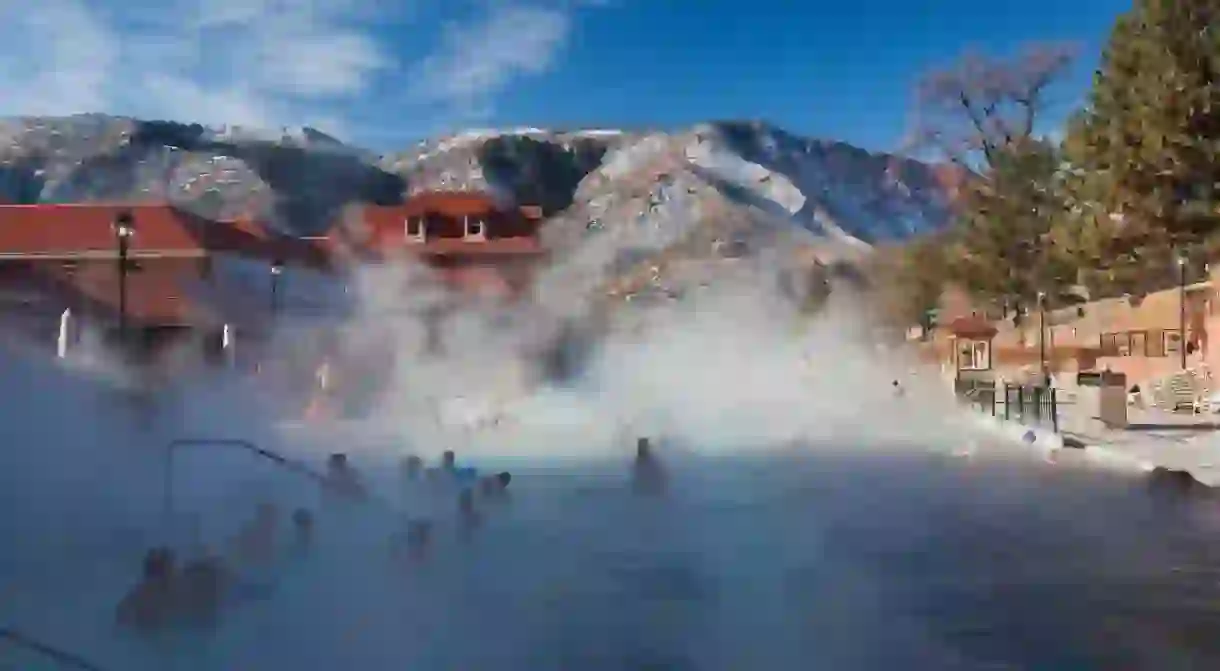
(982, 114)
(1147, 147)
(1011, 251)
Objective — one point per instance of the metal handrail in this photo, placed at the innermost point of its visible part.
(290, 464)
(62, 656)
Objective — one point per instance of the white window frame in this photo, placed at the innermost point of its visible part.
(479, 223)
(419, 235)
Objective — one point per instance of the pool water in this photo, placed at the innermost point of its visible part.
(785, 561)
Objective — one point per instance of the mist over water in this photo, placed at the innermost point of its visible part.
(815, 519)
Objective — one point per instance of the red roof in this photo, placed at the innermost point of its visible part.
(449, 203)
(384, 227)
(84, 230)
(73, 229)
(972, 326)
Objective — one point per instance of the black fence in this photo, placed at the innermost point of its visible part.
(1027, 404)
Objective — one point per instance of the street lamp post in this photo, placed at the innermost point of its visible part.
(1042, 335)
(277, 269)
(124, 230)
(1182, 308)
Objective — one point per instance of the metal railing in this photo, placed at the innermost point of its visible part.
(1032, 404)
(290, 465)
(1027, 404)
(58, 655)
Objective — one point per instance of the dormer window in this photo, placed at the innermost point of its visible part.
(414, 229)
(476, 229)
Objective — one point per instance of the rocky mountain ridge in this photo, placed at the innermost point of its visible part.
(618, 202)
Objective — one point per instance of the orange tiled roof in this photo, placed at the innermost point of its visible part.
(51, 229)
(449, 203)
(971, 326)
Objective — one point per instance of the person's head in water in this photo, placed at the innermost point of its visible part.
(302, 524)
(411, 466)
(449, 460)
(643, 449)
(337, 462)
(159, 564)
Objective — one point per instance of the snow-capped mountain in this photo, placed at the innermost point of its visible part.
(619, 203)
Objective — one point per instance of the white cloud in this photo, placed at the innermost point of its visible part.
(478, 61)
(265, 62)
(214, 61)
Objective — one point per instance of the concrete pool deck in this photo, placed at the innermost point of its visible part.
(1156, 438)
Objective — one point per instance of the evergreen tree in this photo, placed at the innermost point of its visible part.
(910, 279)
(982, 114)
(1010, 250)
(1147, 148)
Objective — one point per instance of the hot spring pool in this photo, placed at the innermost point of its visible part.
(793, 561)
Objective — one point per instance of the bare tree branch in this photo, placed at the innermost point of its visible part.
(979, 106)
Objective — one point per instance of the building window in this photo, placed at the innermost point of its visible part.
(1173, 342)
(476, 229)
(973, 355)
(1139, 343)
(414, 229)
(1156, 343)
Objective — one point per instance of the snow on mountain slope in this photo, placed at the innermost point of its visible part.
(663, 211)
(619, 202)
(296, 178)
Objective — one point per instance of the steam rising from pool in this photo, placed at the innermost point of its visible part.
(752, 405)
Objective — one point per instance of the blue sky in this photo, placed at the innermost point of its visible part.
(842, 70)
(385, 72)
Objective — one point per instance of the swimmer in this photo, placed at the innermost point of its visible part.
(150, 604)
(342, 478)
(495, 487)
(898, 390)
(488, 487)
(302, 526)
(412, 466)
(415, 543)
(449, 461)
(419, 539)
(201, 589)
(469, 519)
(648, 476)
